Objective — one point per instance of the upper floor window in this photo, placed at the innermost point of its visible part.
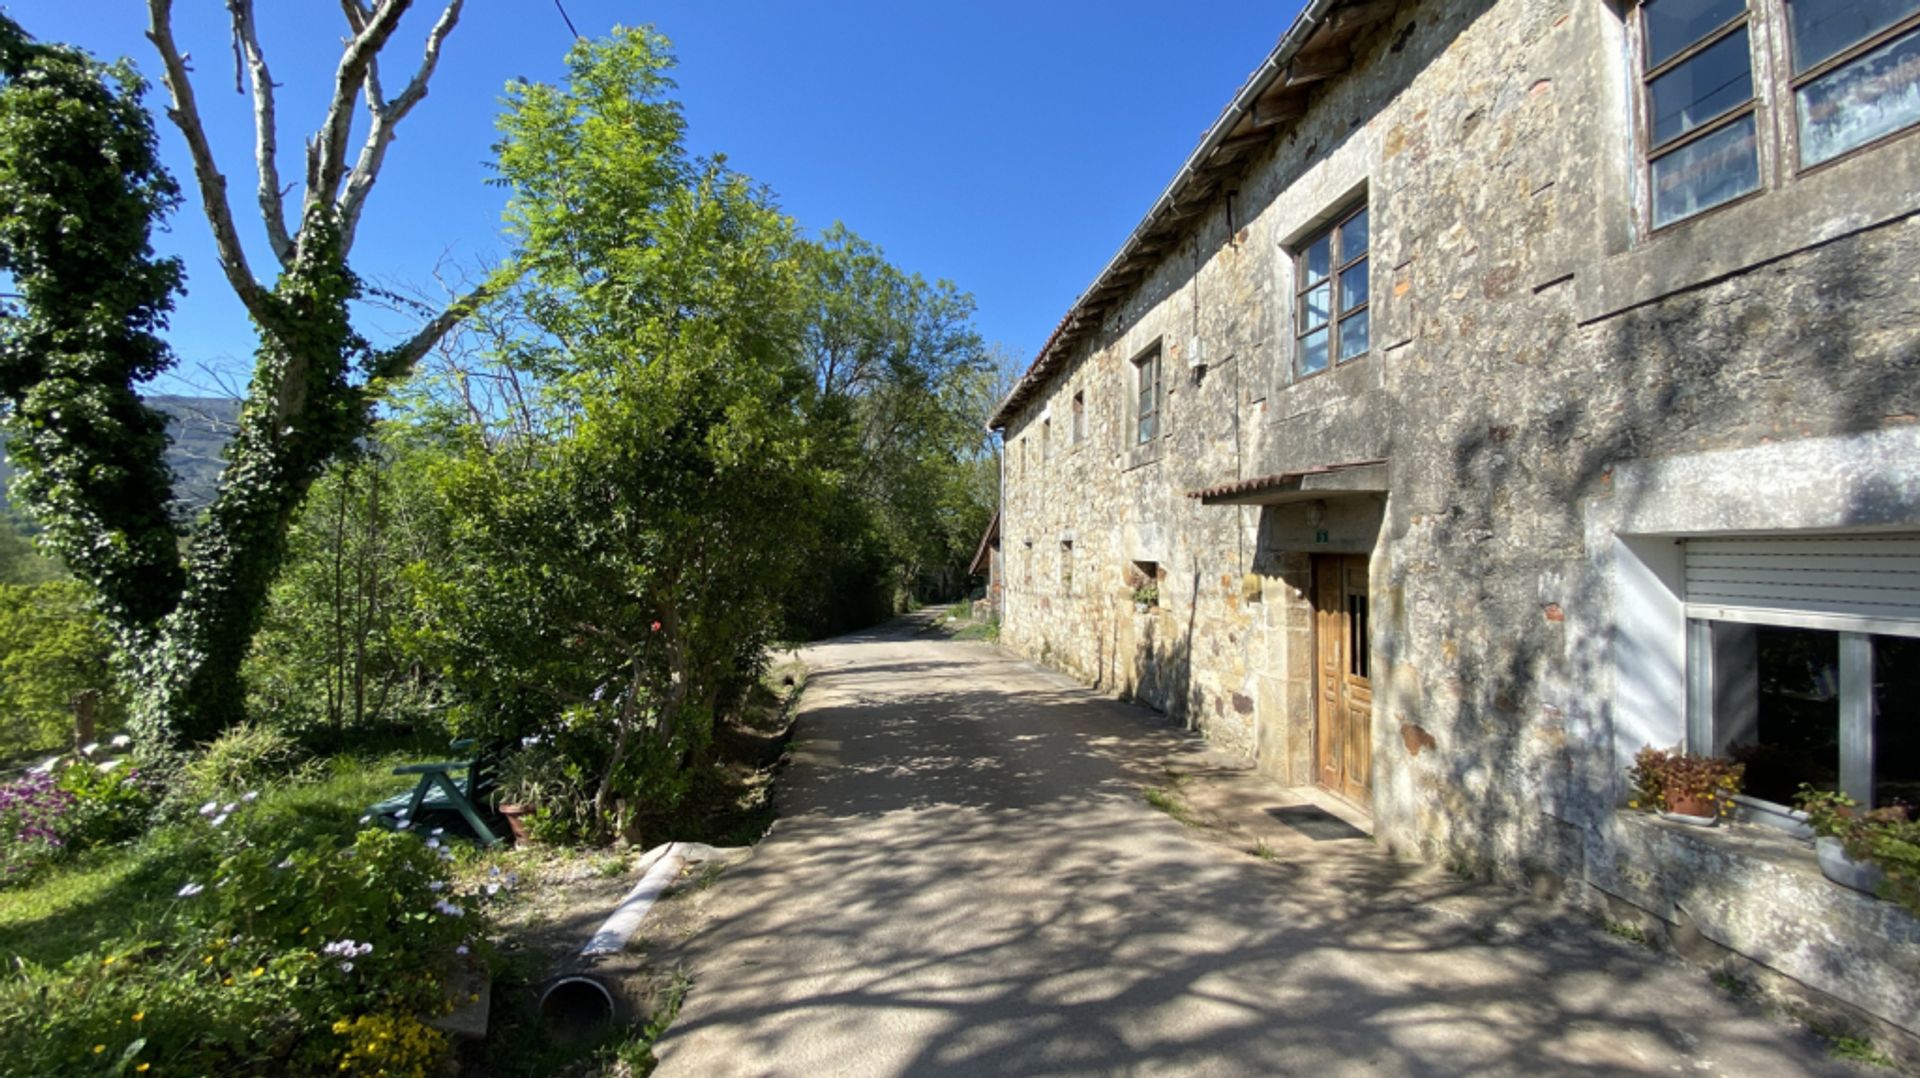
(1331, 295)
(1079, 415)
(1855, 72)
(1046, 439)
(1147, 378)
(1853, 77)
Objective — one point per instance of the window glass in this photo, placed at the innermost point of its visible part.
(1672, 25)
(1717, 79)
(1703, 174)
(1353, 237)
(1319, 260)
(1313, 352)
(1823, 29)
(1874, 95)
(1795, 737)
(1353, 287)
(1316, 306)
(1896, 729)
(1353, 335)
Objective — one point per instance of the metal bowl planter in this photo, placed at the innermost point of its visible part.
(1845, 871)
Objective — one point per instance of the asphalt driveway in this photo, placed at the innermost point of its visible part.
(966, 880)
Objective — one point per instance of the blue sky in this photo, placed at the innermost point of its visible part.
(1008, 147)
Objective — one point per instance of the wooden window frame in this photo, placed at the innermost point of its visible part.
(1794, 83)
(1336, 265)
(1149, 399)
(1643, 107)
(1769, 25)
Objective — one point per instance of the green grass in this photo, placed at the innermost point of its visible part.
(1632, 933)
(1842, 1044)
(112, 892)
(1168, 800)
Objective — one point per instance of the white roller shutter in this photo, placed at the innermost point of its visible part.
(1859, 583)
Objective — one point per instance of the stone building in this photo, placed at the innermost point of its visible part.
(1503, 386)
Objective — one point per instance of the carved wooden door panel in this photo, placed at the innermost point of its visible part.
(1343, 689)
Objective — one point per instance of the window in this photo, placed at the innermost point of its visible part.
(1803, 662)
(1046, 440)
(1147, 378)
(1331, 295)
(1066, 567)
(1853, 77)
(1855, 72)
(1699, 113)
(1079, 416)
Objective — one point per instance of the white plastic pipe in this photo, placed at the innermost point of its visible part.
(626, 917)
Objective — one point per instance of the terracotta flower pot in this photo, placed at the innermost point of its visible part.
(1698, 811)
(515, 815)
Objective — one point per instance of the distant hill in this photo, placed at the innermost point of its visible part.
(199, 428)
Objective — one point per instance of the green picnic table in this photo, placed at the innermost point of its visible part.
(439, 793)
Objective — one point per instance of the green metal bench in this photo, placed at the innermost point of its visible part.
(439, 794)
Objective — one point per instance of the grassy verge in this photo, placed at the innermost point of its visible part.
(116, 891)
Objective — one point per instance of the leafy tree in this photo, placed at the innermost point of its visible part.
(334, 652)
(20, 563)
(56, 684)
(79, 188)
(623, 553)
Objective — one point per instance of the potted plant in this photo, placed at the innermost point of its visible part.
(528, 780)
(1146, 597)
(1685, 786)
(1872, 850)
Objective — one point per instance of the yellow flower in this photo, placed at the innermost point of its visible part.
(228, 982)
(207, 961)
(142, 1068)
(138, 1015)
(258, 970)
(108, 961)
(99, 1048)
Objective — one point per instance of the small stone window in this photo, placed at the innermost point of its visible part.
(1066, 567)
(1079, 416)
(1046, 440)
(1147, 381)
(1143, 578)
(1332, 313)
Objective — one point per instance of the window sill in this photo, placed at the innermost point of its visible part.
(1850, 195)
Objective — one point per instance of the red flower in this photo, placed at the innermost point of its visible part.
(656, 626)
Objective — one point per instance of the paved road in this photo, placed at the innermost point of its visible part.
(966, 881)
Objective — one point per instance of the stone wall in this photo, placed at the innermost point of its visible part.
(1530, 347)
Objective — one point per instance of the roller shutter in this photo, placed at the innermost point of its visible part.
(1862, 583)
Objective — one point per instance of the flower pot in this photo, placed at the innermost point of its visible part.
(515, 815)
(1699, 811)
(1845, 871)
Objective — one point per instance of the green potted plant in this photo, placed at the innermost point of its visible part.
(1146, 596)
(1685, 786)
(529, 779)
(1872, 850)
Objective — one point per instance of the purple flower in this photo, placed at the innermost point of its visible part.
(209, 808)
(250, 796)
(448, 908)
(346, 967)
(218, 820)
(460, 950)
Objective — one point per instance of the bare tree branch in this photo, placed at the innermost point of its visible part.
(398, 361)
(386, 116)
(327, 153)
(185, 114)
(265, 131)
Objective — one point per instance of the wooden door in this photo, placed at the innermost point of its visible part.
(1343, 691)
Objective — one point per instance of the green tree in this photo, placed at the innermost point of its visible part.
(621, 555)
(56, 683)
(79, 188)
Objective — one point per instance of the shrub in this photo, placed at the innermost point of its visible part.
(246, 757)
(112, 801)
(31, 808)
(284, 955)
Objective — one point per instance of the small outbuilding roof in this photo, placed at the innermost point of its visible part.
(983, 558)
